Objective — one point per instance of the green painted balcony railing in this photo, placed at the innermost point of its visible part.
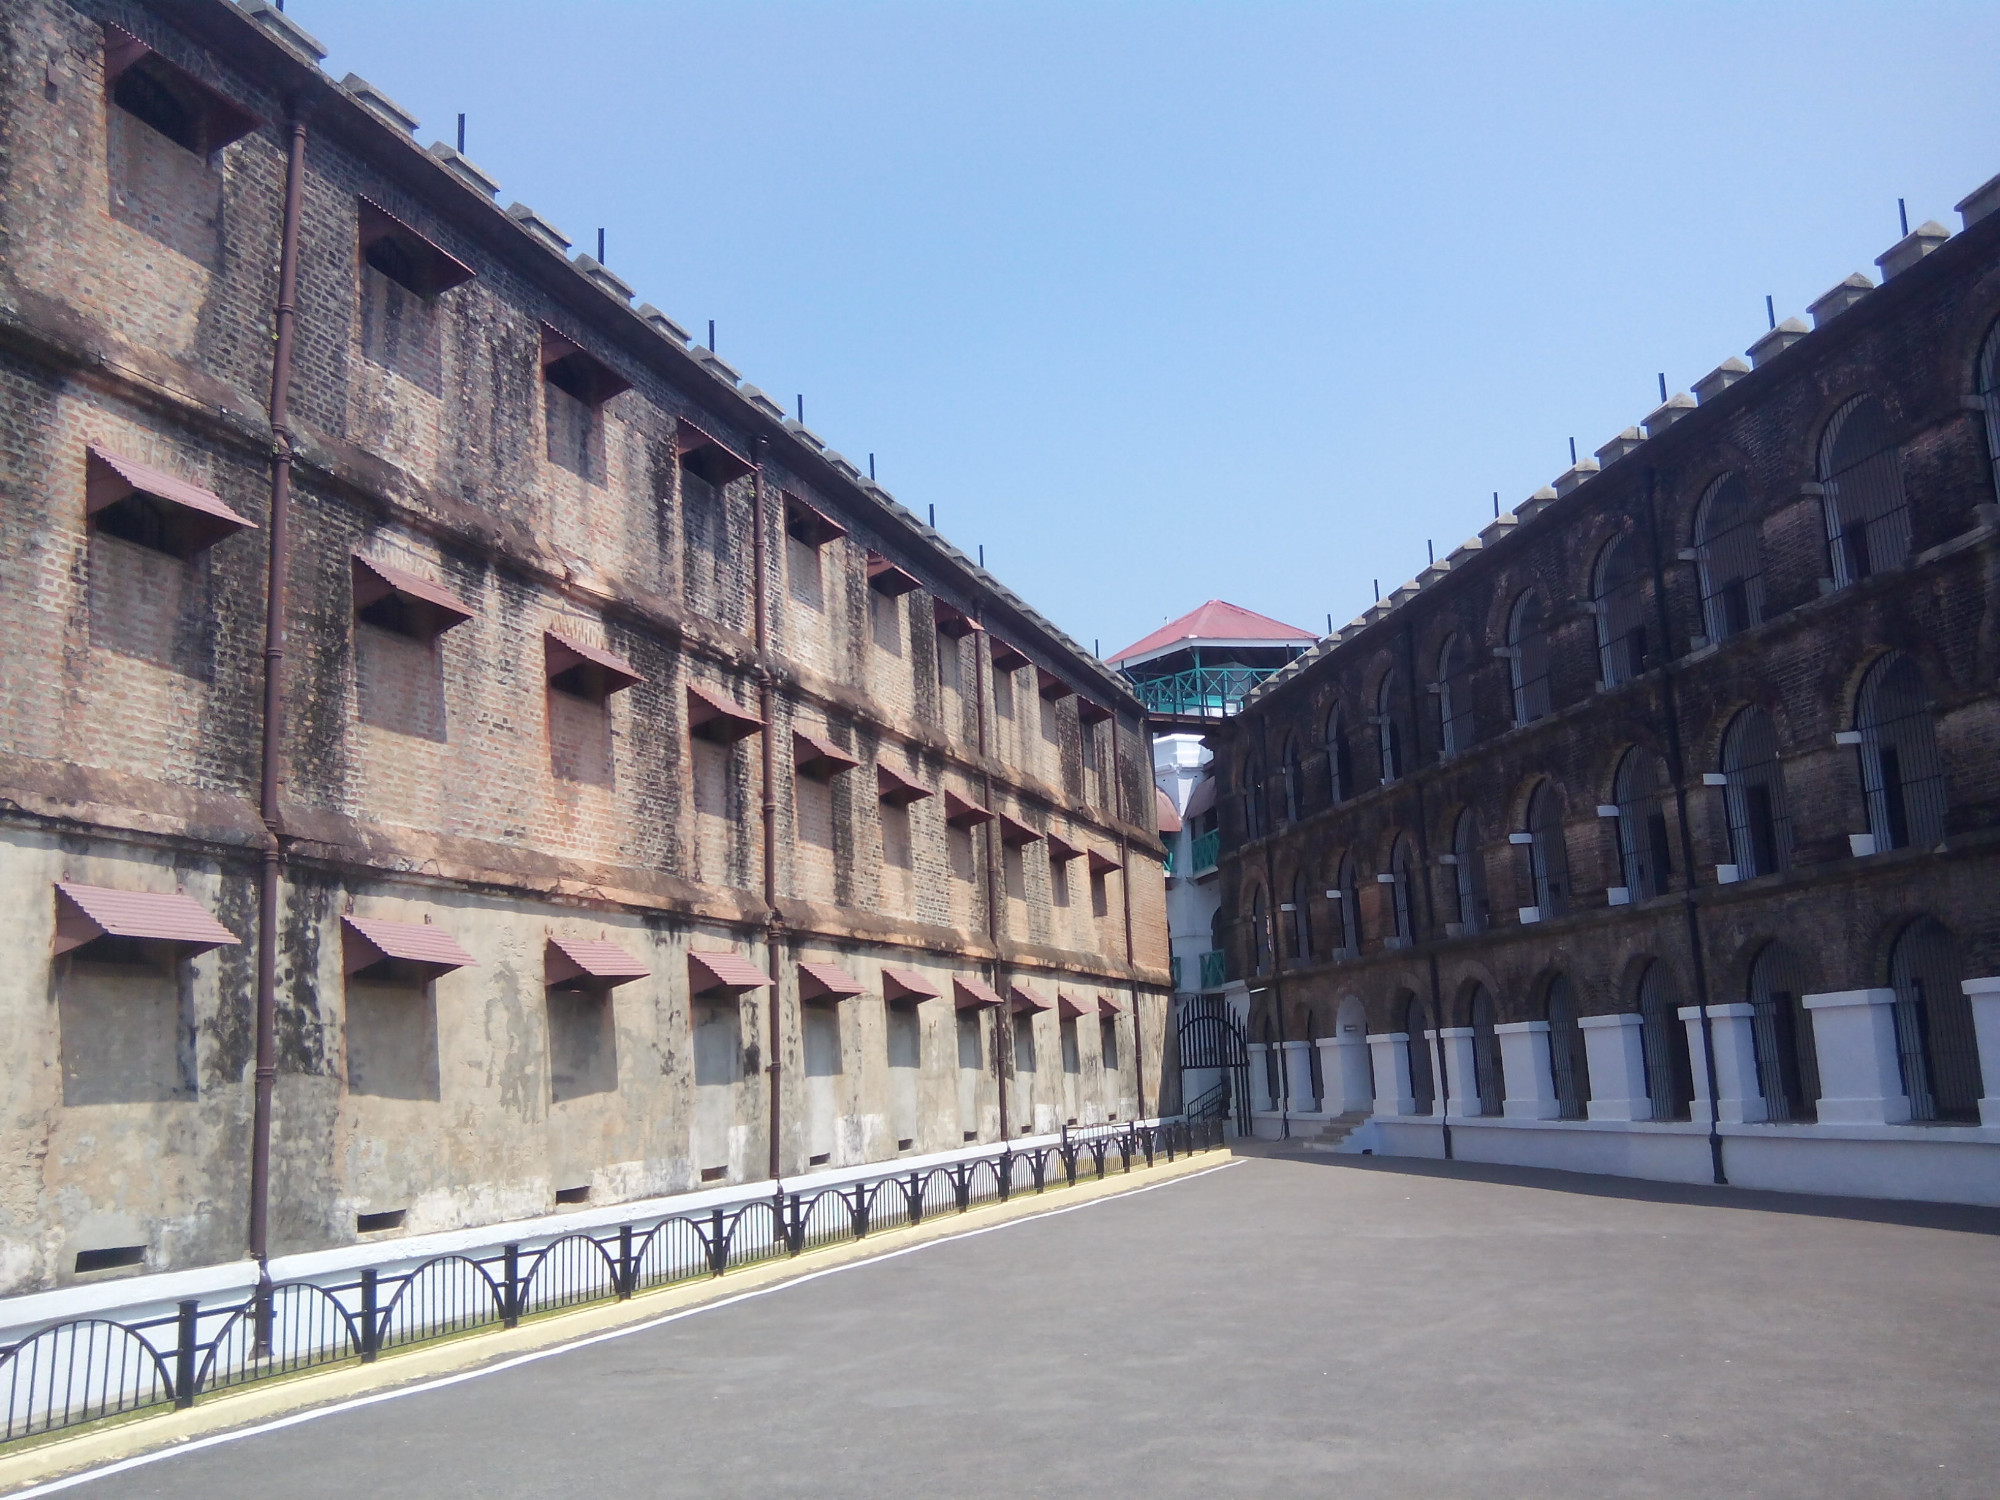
(1201, 692)
(1207, 850)
(1214, 969)
(1175, 964)
(1172, 842)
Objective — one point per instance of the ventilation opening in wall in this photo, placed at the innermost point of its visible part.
(375, 1223)
(906, 1143)
(972, 1135)
(714, 1174)
(573, 1194)
(110, 1259)
(821, 1160)
(1070, 1121)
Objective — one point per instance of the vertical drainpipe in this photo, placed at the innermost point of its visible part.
(1677, 773)
(270, 871)
(1003, 1034)
(1125, 890)
(1284, 1099)
(1423, 879)
(774, 929)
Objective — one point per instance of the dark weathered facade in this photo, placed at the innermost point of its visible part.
(594, 664)
(1709, 723)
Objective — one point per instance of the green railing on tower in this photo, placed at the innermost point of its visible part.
(1200, 692)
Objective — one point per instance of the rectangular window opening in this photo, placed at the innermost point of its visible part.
(573, 1194)
(112, 1258)
(972, 1135)
(820, 1160)
(714, 1174)
(906, 1143)
(375, 1223)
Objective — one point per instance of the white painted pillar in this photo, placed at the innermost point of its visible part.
(1617, 1056)
(1739, 1098)
(1462, 1091)
(1860, 1080)
(1524, 1062)
(1391, 1051)
(1298, 1074)
(1331, 1078)
(1984, 994)
(1260, 1078)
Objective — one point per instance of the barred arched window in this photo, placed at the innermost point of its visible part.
(1528, 658)
(1900, 769)
(1414, 1019)
(1644, 849)
(1731, 553)
(1339, 757)
(1867, 516)
(1781, 1033)
(1669, 1072)
(1388, 741)
(1452, 693)
(1989, 396)
(1294, 780)
(1301, 914)
(1760, 823)
(1260, 933)
(1469, 873)
(1548, 854)
(1567, 1060)
(1347, 901)
(1488, 1079)
(1252, 787)
(1935, 1041)
(1618, 599)
(1402, 889)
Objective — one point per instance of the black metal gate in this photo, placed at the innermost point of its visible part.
(1210, 1039)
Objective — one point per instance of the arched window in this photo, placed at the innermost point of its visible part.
(1253, 799)
(1548, 854)
(1260, 933)
(1301, 914)
(1469, 873)
(1347, 900)
(1273, 1063)
(1900, 769)
(1387, 739)
(1989, 395)
(1781, 1032)
(1339, 757)
(1452, 692)
(1402, 889)
(1644, 849)
(1488, 1079)
(1414, 1019)
(1294, 780)
(1867, 517)
(1618, 599)
(1528, 658)
(1669, 1074)
(1760, 825)
(1935, 1041)
(1731, 553)
(1567, 1060)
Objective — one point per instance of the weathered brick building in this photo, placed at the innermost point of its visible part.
(650, 799)
(1679, 784)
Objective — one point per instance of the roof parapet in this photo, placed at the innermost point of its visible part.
(1720, 379)
(805, 434)
(1536, 503)
(379, 104)
(539, 227)
(1498, 527)
(1842, 297)
(461, 167)
(1912, 248)
(1980, 202)
(1776, 342)
(1573, 477)
(1464, 550)
(602, 277)
(763, 403)
(1626, 442)
(284, 30)
(1668, 412)
(659, 322)
(712, 362)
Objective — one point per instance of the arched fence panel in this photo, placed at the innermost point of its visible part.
(567, 1272)
(450, 1295)
(293, 1327)
(76, 1372)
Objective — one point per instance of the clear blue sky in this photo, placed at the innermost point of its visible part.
(1163, 302)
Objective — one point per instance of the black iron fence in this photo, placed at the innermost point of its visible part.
(93, 1369)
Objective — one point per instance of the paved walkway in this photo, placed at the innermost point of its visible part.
(1344, 1327)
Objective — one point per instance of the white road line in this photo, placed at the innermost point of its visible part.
(416, 1388)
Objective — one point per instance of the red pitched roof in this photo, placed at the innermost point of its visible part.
(1215, 621)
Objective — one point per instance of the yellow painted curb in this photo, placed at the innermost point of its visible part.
(280, 1397)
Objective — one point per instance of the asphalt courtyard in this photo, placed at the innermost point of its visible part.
(1347, 1327)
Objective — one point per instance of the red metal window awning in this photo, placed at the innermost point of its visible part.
(953, 621)
(1091, 713)
(399, 950)
(1102, 864)
(142, 504)
(894, 787)
(402, 602)
(1025, 999)
(586, 671)
(85, 913)
(723, 973)
(1062, 849)
(588, 963)
(703, 455)
(1070, 1005)
(826, 982)
(714, 715)
(906, 985)
(1051, 686)
(818, 757)
(1107, 1006)
(810, 524)
(214, 120)
(1016, 834)
(960, 812)
(568, 366)
(1169, 821)
(886, 578)
(405, 256)
(970, 994)
(1006, 658)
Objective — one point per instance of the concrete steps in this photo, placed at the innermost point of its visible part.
(1329, 1135)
